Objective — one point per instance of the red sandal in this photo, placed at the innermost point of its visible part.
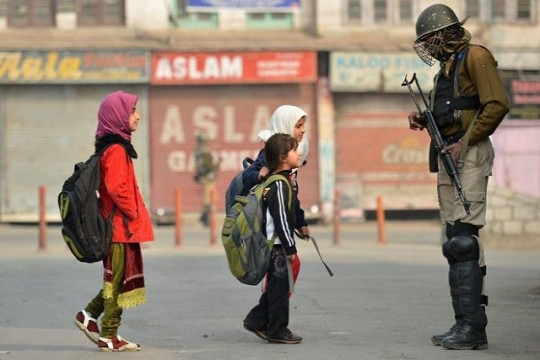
(88, 325)
(117, 344)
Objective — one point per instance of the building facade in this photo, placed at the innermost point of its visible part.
(222, 70)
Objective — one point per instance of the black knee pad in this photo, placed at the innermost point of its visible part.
(463, 248)
(447, 253)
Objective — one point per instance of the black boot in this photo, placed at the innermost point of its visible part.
(467, 278)
(205, 215)
(437, 339)
(467, 337)
(454, 293)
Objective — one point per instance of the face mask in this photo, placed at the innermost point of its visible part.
(439, 45)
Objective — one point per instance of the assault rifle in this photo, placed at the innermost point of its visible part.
(438, 142)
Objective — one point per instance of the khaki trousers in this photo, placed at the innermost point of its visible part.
(474, 173)
(207, 187)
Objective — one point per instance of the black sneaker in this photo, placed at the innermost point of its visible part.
(289, 338)
(259, 333)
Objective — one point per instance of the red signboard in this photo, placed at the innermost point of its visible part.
(233, 68)
(524, 98)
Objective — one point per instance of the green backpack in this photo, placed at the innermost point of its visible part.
(247, 248)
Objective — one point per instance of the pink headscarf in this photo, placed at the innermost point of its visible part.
(113, 114)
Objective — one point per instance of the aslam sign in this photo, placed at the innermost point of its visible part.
(229, 68)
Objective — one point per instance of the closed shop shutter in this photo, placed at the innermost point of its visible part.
(377, 154)
(231, 117)
(46, 129)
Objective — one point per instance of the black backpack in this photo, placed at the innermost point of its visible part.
(86, 232)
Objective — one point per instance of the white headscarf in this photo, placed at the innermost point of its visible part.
(283, 121)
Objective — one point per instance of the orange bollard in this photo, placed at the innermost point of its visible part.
(213, 215)
(380, 221)
(179, 241)
(337, 217)
(42, 246)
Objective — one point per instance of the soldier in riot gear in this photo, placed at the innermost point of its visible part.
(468, 102)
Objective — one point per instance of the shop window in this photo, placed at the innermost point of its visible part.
(524, 10)
(101, 13)
(269, 20)
(31, 13)
(498, 10)
(182, 18)
(354, 11)
(380, 11)
(501, 11)
(368, 12)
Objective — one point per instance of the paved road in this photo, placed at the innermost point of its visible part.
(384, 302)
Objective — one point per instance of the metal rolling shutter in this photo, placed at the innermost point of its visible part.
(377, 154)
(230, 112)
(46, 129)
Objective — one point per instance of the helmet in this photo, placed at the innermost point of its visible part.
(438, 30)
(201, 138)
(433, 18)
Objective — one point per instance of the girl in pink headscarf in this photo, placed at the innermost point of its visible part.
(123, 285)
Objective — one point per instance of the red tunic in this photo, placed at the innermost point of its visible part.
(119, 186)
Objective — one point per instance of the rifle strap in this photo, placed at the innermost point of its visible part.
(312, 239)
(432, 92)
(318, 252)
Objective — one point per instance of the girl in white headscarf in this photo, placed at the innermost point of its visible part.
(286, 119)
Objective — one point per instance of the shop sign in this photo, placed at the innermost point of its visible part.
(524, 99)
(377, 72)
(20, 67)
(233, 68)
